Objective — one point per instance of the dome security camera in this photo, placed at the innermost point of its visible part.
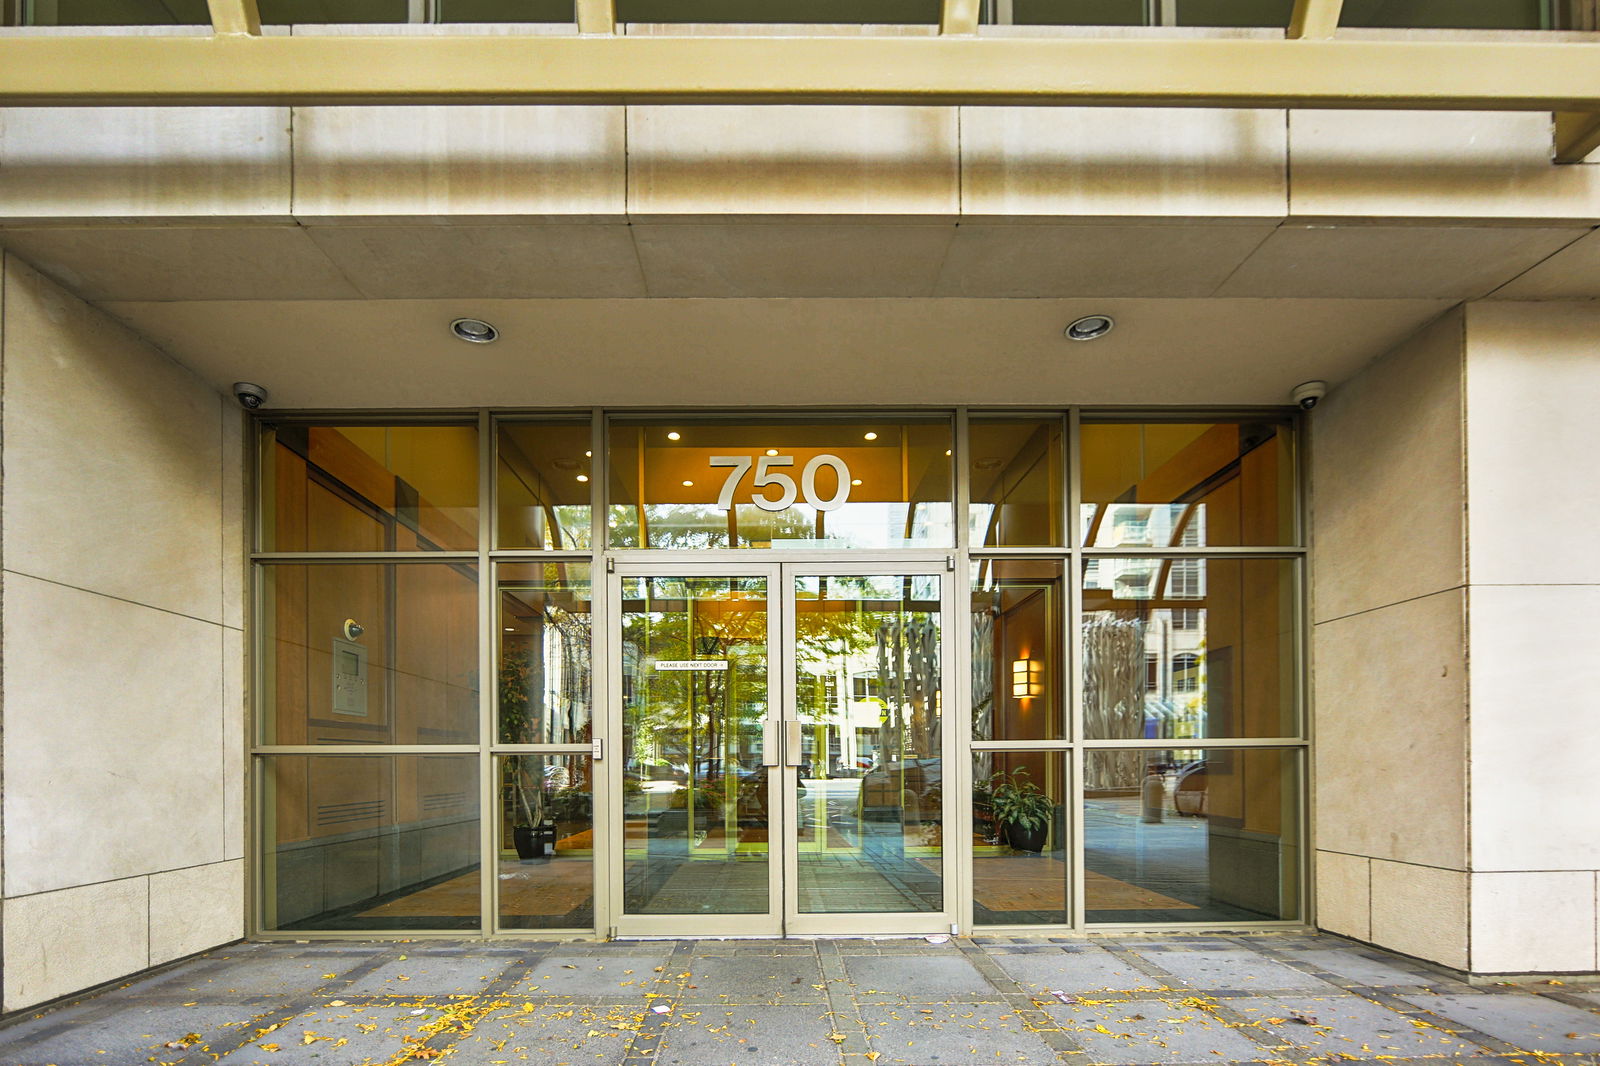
(1308, 393)
(249, 396)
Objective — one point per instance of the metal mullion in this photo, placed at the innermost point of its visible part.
(365, 749)
(979, 746)
(1220, 551)
(1192, 743)
(961, 470)
(540, 555)
(1042, 551)
(1073, 647)
(542, 749)
(488, 690)
(605, 786)
(1093, 415)
(316, 558)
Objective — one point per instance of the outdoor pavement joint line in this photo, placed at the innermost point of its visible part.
(1571, 1000)
(1389, 1001)
(468, 1021)
(645, 1042)
(1212, 1004)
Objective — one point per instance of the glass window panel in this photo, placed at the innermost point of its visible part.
(878, 12)
(1191, 835)
(836, 484)
(545, 633)
(696, 812)
(1191, 484)
(1218, 635)
(1019, 832)
(1451, 14)
(546, 842)
(115, 12)
(1016, 474)
(310, 12)
(1234, 12)
(542, 474)
(1018, 606)
(505, 11)
(369, 653)
(370, 842)
(368, 488)
(1078, 12)
(869, 815)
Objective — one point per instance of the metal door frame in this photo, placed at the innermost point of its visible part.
(782, 917)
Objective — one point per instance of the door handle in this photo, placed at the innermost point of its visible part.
(791, 743)
(769, 743)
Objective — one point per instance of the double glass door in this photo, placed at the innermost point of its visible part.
(782, 737)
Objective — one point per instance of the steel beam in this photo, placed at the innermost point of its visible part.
(597, 16)
(959, 17)
(235, 17)
(1159, 72)
(1577, 134)
(1314, 19)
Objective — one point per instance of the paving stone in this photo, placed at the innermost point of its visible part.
(1358, 967)
(127, 1033)
(379, 1034)
(923, 979)
(755, 979)
(1526, 1021)
(608, 976)
(553, 1035)
(428, 976)
(1349, 1025)
(1235, 969)
(1078, 971)
(738, 1036)
(1152, 1031)
(259, 976)
(978, 1032)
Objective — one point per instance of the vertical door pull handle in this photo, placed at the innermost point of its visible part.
(769, 743)
(791, 743)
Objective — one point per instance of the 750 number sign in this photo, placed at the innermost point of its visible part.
(769, 475)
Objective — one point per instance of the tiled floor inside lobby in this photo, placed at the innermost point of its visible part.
(1278, 998)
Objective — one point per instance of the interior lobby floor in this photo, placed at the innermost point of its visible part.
(1114, 1000)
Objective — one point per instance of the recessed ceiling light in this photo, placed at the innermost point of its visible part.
(474, 330)
(772, 451)
(870, 436)
(688, 484)
(588, 455)
(1089, 327)
(674, 435)
(855, 481)
(511, 629)
(583, 477)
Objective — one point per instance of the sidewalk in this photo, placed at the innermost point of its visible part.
(1289, 998)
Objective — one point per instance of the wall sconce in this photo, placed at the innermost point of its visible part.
(1026, 680)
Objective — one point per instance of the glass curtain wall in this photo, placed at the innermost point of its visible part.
(431, 659)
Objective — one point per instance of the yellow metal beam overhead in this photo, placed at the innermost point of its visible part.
(959, 17)
(1314, 19)
(1577, 135)
(597, 16)
(1161, 72)
(235, 17)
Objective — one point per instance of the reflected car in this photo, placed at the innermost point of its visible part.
(1189, 793)
(922, 782)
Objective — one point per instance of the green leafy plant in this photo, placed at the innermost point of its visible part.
(1017, 801)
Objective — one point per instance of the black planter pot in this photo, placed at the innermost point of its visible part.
(522, 836)
(1027, 839)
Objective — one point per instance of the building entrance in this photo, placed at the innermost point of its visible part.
(783, 743)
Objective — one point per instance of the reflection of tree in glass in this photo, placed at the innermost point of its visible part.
(696, 716)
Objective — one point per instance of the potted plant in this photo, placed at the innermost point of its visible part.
(1020, 809)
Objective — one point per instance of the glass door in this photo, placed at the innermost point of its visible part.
(782, 743)
(699, 750)
(863, 751)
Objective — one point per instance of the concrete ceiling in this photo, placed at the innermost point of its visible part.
(380, 353)
(798, 311)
